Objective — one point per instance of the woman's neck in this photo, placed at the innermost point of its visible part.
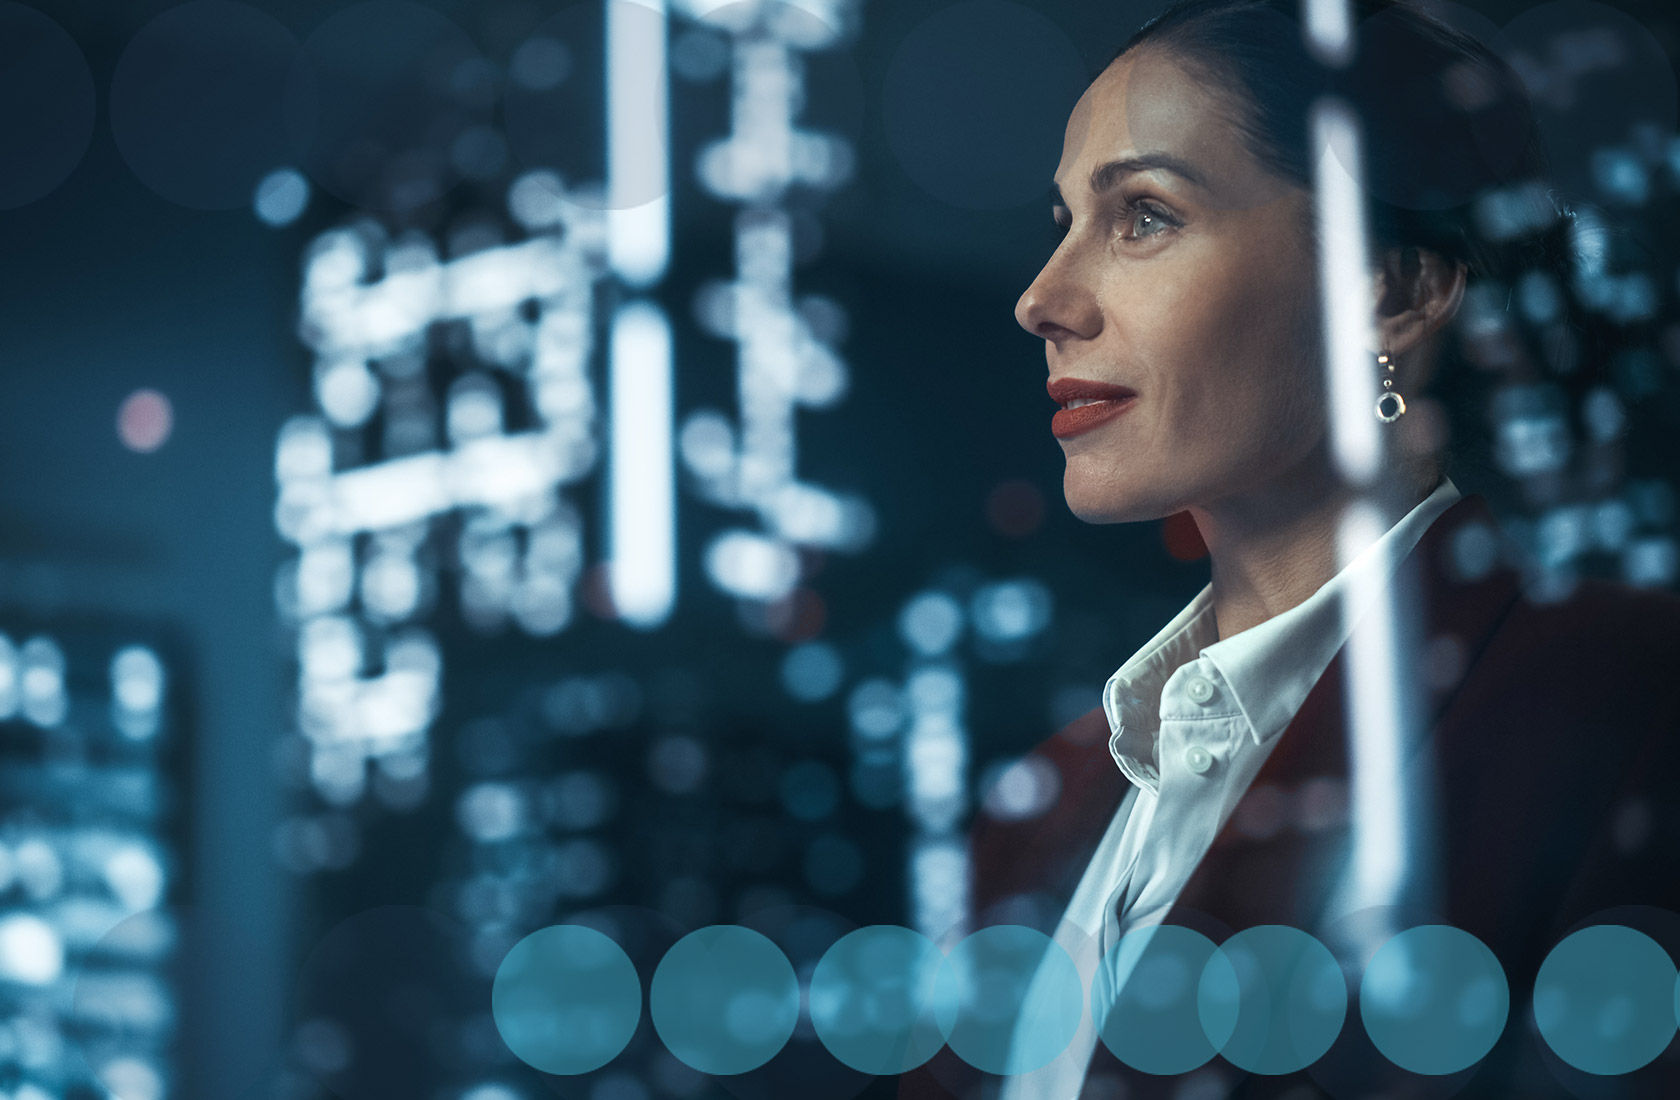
(1273, 548)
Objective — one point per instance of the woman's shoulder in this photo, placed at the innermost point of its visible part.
(1580, 695)
(1514, 635)
(1602, 632)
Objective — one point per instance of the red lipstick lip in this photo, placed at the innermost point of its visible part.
(1112, 401)
(1071, 422)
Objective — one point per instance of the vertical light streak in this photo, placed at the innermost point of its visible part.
(642, 524)
(1329, 31)
(1375, 707)
(1344, 281)
(638, 123)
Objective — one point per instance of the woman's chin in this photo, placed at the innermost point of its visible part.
(1111, 504)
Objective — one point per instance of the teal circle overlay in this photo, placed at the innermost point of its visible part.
(874, 999)
(566, 999)
(1013, 999)
(1602, 999)
(1164, 999)
(1434, 999)
(724, 999)
(1292, 999)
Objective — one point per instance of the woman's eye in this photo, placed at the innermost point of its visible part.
(1141, 219)
(1149, 219)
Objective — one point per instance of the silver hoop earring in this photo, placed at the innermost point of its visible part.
(1390, 405)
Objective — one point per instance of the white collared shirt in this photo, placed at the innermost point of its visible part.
(1192, 719)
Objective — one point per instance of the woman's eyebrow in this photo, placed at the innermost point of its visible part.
(1105, 176)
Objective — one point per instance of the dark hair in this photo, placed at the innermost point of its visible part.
(1452, 162)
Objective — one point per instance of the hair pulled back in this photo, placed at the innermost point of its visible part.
(1453, 162)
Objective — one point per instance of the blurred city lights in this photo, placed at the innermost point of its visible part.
(86, 863)
(367, 534)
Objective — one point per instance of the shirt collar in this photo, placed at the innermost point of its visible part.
(1269, 668)
(1132, 696)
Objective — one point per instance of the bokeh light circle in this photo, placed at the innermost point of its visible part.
(1434, 999)
(382, 94)
(874, 999)
(805, 1068)
(566, 999)
(1602, 999)
(47, 105)
(144, 420)
(1292, 999)
(724, 999)
(198, 102)
(976, 100)
(1011, 997)
(1164, 999)
(281, 197)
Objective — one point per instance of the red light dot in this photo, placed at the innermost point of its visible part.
(145, 420)
(797, 617)
(1015, 508)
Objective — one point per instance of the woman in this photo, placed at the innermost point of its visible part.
(1181, 321)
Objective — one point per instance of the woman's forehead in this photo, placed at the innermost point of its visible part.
(1147, 103)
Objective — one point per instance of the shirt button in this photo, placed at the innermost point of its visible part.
(1199, 689)
(1198, 759)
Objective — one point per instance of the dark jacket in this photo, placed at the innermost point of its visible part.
(1553, 740)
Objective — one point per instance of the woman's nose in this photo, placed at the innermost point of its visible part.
(1056, 308)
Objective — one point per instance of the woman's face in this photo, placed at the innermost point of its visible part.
(1196, 289)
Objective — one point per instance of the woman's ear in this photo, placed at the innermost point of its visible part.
(1417, 291)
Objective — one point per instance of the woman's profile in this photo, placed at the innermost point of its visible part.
(1183, 326)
